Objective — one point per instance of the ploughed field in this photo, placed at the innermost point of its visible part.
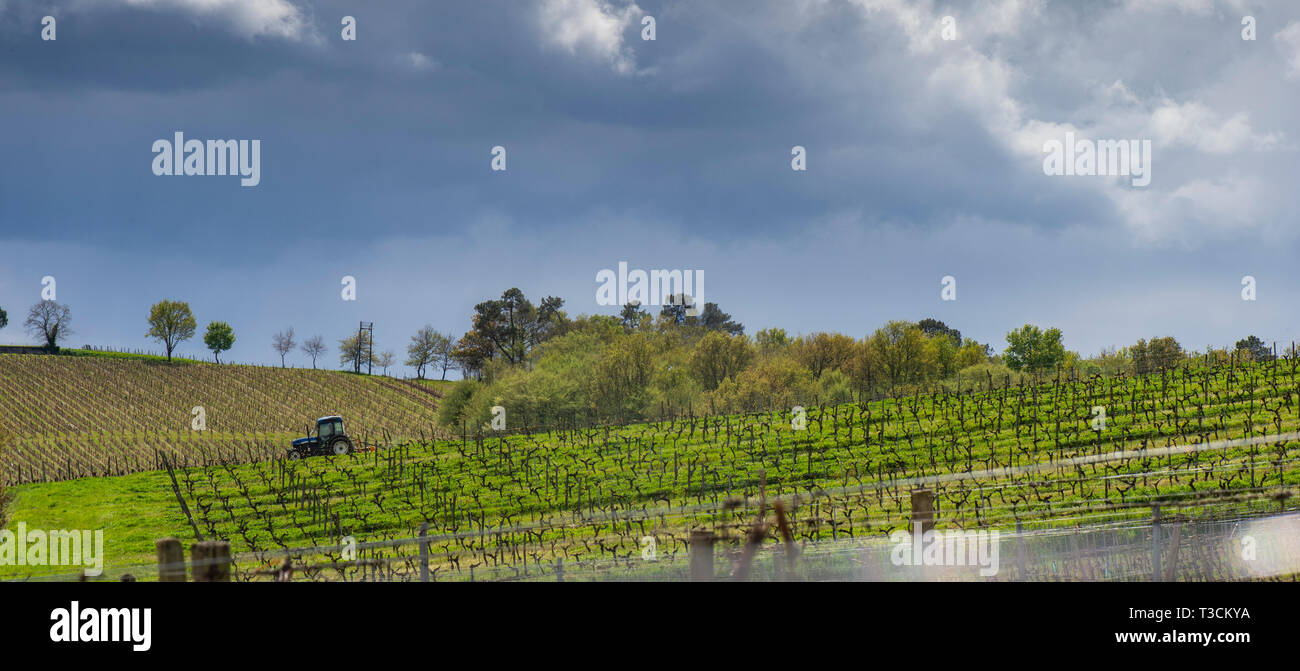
(64, 417)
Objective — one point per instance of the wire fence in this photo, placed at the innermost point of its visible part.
(1233, 542)
(1082, 540)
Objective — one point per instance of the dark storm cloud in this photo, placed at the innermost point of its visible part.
(923, 158)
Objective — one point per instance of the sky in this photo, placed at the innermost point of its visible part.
(924, 159)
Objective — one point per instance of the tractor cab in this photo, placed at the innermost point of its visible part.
(330, 438)
(328, 427)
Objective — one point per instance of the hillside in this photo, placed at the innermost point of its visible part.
(72, 416)
(510, 504)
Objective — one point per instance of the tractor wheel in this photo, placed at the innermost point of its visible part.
(295, 455)
(341, 447)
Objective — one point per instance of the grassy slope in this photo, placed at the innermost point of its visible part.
(130, 356)
(650, 465)
(134, 511)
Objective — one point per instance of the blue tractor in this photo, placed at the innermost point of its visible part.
(329, 439)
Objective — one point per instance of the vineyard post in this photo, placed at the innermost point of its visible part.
(171, 560)
(1020, 549)
(210, 561)
(424, 552)
(701, 556)
(1171, 573)
(1155, 543)
(922, 510)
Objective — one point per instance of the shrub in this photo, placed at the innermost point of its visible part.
(452, 412)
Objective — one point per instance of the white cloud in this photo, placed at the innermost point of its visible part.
(1193, 7)
(922, 24)
(419, 61)
(592, 26)
(1193, 124)
(1289, 38)
(1184, 207)
(1197, 211)
(250, 18)
(918, 21)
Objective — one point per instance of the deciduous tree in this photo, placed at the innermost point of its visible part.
(49, 320)
(513, 325)
(314, 347)
(283, 343)
(356, 351)
(171, 323)
(219, 338)
(1034, 350)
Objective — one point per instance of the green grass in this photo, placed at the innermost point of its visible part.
(130, 356)
(132, 510)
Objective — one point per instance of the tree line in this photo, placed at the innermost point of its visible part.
(546, 368)
(637, 361)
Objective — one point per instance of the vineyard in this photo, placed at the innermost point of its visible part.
(1203, 443)
(65, 417)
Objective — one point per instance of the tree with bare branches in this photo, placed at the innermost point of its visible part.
(283, 343)
(49, 320)
(314, 347)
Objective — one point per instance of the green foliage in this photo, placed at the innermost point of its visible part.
(1158, 355)
(356, 351)
(513, 325)
(219, 338)
(710, 318)
(622, 373)
(984, 375)
(1108, 362)
(633, 316)
(451, 412)
(773, 382)
(820, 352)
(1033, 350)
(771, 339)
(835, 388)
(1254, 349)
(430, 348)
(902, 354)
(717, 357)
(4, 318)
(944, 351)
(934, 327)
(972, 353)
(171, 322)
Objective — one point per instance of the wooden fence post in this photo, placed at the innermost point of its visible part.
(1155, 544)
(922, 510)
(1020, 550)
(701, 556)
(210, 561)
(1171, 572)
(171, 560)
(424, 552)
